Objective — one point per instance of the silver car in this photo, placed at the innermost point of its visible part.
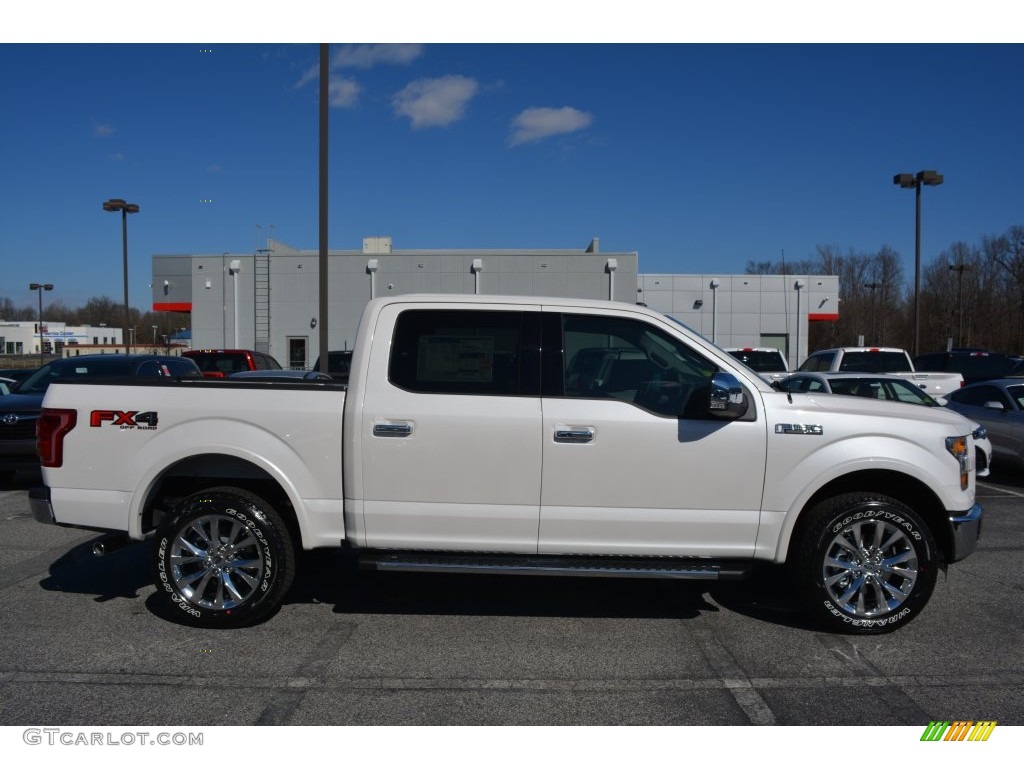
(998, 406)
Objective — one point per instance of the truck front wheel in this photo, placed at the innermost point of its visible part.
(223, 559)
(866, 563)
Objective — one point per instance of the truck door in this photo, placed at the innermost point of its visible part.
(632, 463)
(450, 429)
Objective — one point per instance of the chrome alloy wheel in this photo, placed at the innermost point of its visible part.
(870, 568)
(216, 562)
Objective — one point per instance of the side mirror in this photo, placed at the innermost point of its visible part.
(995, 405)
(726, 399)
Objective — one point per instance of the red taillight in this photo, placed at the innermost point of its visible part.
(53, 425)
(215, 375)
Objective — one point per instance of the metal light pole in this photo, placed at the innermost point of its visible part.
(39, 288)
(713, 285)
(911, 181)
(797, 286)
(117, 204)
(154, 336)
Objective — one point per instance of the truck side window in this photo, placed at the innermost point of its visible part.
(629, 360)
(464, 352)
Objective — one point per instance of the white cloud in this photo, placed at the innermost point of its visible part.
(102, 130)
(538, 123)
(367, 56)
(309, 76)
(437, 102)
(342, 92)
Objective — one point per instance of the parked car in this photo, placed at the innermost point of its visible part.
(973, 364)
(339, 363)
(220, 363)
(768, 362)
(882, 386)
(19, 410)
(999, 407)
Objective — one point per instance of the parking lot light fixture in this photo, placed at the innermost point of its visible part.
(39, 288)
(117, 204)
(915, 182)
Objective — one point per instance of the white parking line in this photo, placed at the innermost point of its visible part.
(1007, 491)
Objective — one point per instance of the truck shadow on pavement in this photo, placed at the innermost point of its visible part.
(121, 574)
(333, 578)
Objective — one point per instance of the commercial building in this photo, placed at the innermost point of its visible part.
(23, 338)
(267, 300)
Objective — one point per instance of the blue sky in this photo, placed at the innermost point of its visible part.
(700, 157)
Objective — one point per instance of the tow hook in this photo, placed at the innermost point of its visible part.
(109, 544)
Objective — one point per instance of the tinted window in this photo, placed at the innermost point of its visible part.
(220, 362)
(978, 396)
(820, 362)
(876, 362)
(628, 360)
(469, 352)
(761, 361)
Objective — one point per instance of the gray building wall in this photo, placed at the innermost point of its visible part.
(206, 285)
(746, 310)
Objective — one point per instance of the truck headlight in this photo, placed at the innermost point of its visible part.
(957, 446)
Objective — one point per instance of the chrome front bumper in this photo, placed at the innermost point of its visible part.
(964, 529)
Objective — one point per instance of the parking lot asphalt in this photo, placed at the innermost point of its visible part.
(82, 643)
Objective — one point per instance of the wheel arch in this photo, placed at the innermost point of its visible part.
(208, 470)
(904, 488)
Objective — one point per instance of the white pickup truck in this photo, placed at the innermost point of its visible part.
(882, 360)
(521, 436)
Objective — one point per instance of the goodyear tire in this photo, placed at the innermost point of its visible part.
(866, 563)
(223, 559)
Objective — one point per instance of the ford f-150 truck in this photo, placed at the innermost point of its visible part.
(881, 360)
(521, 436)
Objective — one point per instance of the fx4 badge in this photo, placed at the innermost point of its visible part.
(124, 419)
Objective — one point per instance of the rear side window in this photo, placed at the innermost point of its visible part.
(822, 362)
(465, 352)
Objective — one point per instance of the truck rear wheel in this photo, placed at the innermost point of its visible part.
(866, 563)
(223, 559)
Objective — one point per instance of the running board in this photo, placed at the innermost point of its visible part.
(556, 565)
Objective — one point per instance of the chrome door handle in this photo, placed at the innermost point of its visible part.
(392, 429)
(574, 434)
